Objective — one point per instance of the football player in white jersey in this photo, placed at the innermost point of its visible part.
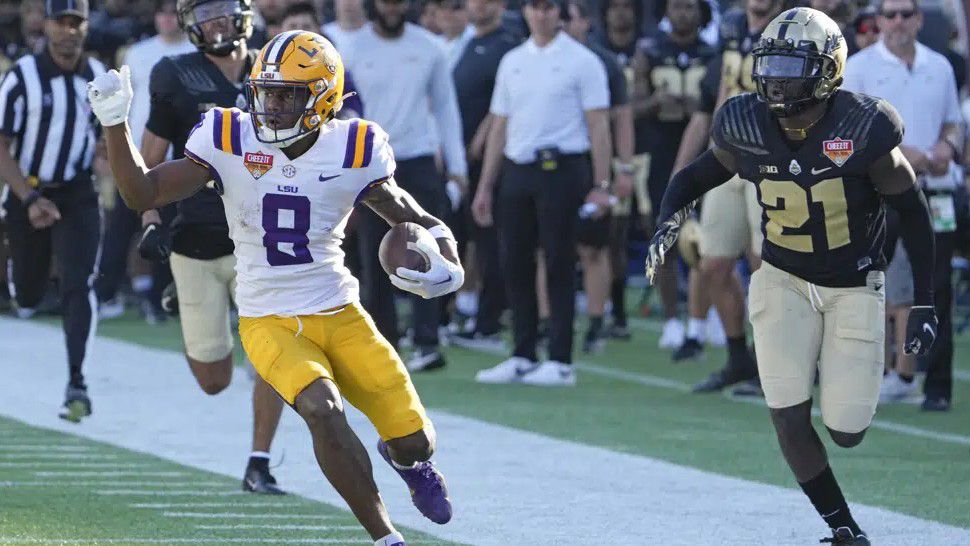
(290, 174)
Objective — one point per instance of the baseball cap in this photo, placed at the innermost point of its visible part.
(57, 8)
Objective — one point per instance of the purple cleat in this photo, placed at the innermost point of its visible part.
(428, 490)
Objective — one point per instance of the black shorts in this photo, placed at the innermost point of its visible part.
(594, 232)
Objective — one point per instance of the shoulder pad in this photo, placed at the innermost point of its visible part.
(858, 114)
(737, 124)
(226, 129)
(360, 144)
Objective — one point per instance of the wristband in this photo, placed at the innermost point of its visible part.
(441, 231)
(31, 198)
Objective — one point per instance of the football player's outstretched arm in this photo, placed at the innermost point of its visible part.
(110, 97)
(395, 205)
(144, 189)
(895, 180)
(713, 168)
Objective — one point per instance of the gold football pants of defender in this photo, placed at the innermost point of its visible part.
(344, 347)
(800, 327)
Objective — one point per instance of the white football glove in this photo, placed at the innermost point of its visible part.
(443, 277)
(110, 96)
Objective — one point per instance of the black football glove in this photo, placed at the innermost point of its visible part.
(170, 300)
(663, 239)
(920, 330)
(153, 245)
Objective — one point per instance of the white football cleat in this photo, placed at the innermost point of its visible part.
(673, 334)
(508, 371)
(551, 374)
(894, 389)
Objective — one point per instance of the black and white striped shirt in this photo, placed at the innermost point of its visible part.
(45, 112)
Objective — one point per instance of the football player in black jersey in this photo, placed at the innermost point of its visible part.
(824, 162)
(669, 68)
(182, 88)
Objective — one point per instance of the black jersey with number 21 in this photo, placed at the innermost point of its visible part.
(822, 218)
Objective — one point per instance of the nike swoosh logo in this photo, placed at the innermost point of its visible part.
(325, 178)
(928, 329)
(820, 171)
(250, 483)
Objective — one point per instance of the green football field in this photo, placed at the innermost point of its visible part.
(59, 487)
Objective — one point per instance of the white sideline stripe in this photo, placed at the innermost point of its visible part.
(63, 464)
(109, 474)
(19, 540)
(680, 386)
(56, 456)
(241, 526)
(242, 515)
(615, 495)
(653, 381)
(45, 447)
(168, 493)
(961, 375)
(169, 505)
(71, 483)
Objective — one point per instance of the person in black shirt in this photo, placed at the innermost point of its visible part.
(824, 162)
(474, 75)
(182, 89)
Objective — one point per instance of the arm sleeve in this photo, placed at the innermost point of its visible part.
(916, 230)
(593, 85)
(382, 164)
(162, 88)
(953, 114)
(444, 102)
(13, 103)
(500, 95)
(700, 176)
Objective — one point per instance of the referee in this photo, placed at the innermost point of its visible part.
(47, 142)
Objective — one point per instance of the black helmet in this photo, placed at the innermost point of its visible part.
(799, 61)
(192, 13)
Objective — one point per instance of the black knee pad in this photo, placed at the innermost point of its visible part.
(846, 439)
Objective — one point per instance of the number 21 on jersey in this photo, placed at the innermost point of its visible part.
(790, 209)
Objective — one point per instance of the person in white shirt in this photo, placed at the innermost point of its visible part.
(349, 19)
(550, 137)
(920, 84)
(121, 221)
(401, 70)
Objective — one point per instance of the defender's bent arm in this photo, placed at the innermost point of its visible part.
(144, 189)
(713, 168)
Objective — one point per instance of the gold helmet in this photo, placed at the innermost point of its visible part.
(689, 241)
(295, 86)
(799, 60)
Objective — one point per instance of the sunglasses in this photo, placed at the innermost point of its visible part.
(906, 13)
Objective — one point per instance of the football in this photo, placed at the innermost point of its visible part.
(394, 251)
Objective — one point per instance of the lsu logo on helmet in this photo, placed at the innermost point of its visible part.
(303, 71)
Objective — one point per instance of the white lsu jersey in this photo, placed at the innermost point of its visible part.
(287, 217)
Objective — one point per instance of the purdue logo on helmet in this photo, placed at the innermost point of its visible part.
(192, 14)
(799, 60)
(295, 86)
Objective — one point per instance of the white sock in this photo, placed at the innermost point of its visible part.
(696, 328)
(393, 539)
(401, 466)
(672, 321)
(259, 454)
